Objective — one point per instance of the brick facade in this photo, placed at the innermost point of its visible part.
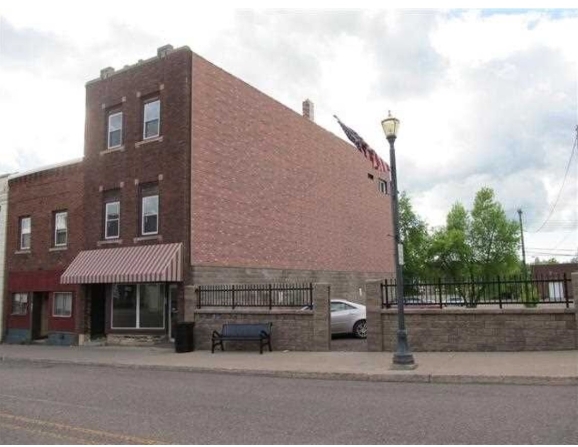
(254, 191)
(37, 271)
(271, 189)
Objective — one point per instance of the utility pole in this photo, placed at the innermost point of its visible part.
(522, 237)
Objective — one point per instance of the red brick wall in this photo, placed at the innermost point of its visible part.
(38, 195)
(271, 189)
(169, 79)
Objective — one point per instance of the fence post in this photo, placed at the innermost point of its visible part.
(270, 296)
(566, 291)
(373, 305)
(321, 296)
(386, 295)
(499, 292)
(440, 289)
(233, 296)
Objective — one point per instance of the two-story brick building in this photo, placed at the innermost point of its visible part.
(192, 176)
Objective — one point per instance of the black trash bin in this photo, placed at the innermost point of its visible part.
(184, 340)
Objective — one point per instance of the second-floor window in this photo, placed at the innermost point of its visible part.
(114, 130)
(25, 232)
(152, 119)
(60, 228)
(149, 209)
(112, 220)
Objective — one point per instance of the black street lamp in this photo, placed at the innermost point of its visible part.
(402, 357)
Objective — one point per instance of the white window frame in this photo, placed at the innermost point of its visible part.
(22, 232)
(382, 186)
(20, 294)
(112, 115)
(62, 244)
(144, 124)
(106, 220)
(142, 216)
(54, 300)
(137, 323)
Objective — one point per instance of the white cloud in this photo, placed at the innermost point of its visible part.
(484, 98)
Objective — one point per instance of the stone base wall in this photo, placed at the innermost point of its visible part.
(483, 330)
(62, 339)
(134, 340)
(344, 285)
(17, 336)
(292, 330)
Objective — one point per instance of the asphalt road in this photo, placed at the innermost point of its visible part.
(66, 404)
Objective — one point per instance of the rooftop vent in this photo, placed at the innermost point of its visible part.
(106, 72)
(308, 110)
(164, 50)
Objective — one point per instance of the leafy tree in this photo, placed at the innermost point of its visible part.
(481, 243)
(415, 238)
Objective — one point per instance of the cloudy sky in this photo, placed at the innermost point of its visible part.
(485, 97)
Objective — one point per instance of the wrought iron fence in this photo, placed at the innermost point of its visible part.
(255, 295)
(472, 292)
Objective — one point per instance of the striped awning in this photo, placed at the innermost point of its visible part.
(149, 263)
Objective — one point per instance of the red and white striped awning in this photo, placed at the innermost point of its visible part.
(149, 263)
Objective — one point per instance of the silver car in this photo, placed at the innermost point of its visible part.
(348, 318)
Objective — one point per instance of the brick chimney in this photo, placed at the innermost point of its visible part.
(106, 72)
(308, 110)
(164, 50)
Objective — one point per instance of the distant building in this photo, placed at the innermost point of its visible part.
(3, 217)
(190, 176)
(555, 290)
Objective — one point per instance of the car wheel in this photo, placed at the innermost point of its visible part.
(360, 329)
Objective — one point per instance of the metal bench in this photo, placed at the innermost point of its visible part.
(260, 332)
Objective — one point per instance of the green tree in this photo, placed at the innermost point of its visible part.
(481, 243)
(415, 238)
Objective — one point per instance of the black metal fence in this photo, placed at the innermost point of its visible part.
(256, 295)
(472, 292)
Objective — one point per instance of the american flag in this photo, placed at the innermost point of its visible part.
(364, 148)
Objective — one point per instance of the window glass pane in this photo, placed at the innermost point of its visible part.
(25, 241)
(150, 210)
(152, 114)
(115, 130)
(25, 222)
(150, 224)
(152, 110)
(151, 128)
(115, 122)
(114, 138)
(124, 306)
(19, 303)
(60, 221)
(112, 220)
(62, 304)
(60, 224)
(152, 306)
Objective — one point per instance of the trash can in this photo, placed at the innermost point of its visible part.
(184, 340)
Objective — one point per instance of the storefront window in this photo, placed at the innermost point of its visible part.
(138, 306)
(152, 301)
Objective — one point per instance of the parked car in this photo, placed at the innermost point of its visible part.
(348, 318)
(454, 301)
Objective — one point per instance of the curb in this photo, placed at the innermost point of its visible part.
(360, 377)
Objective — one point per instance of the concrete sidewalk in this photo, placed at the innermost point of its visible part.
(540, 367)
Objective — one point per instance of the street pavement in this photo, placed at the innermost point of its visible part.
(524, 368)
(42, 403)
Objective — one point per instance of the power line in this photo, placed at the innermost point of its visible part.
(563, 181)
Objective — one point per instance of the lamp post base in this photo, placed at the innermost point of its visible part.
(402, 357)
